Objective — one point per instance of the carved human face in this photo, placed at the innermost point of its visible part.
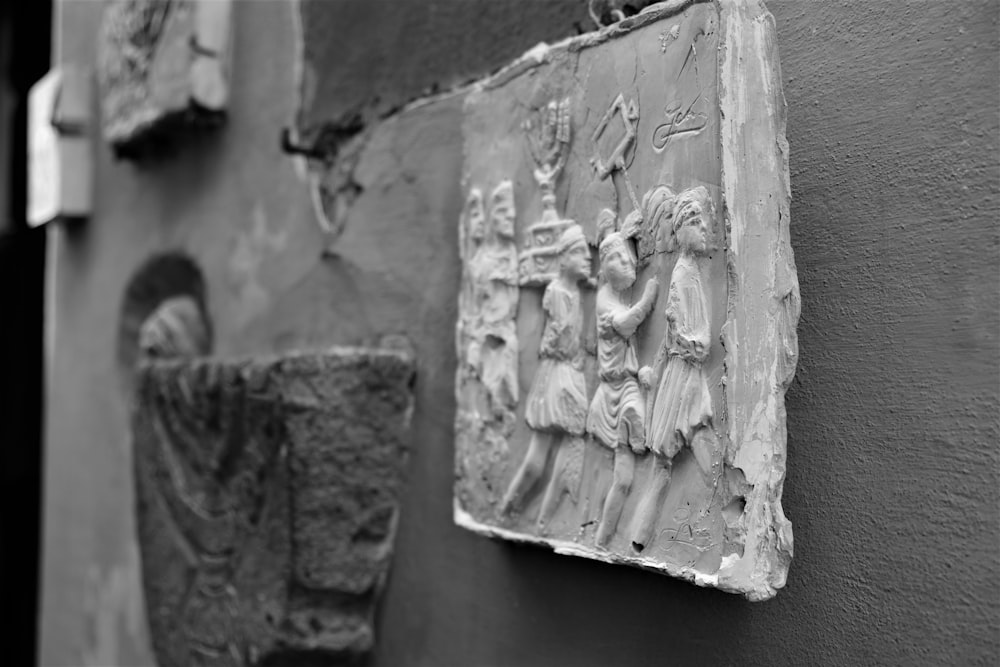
(476, 216)
(503, 220)
(619, 268)
(693, 233)
(576, 261)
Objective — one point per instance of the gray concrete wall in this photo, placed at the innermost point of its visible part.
(892, 419)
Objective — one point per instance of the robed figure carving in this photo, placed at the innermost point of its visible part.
(617, 412)
(495, 269)
(556, 405)
(491, 293)
(679, 405)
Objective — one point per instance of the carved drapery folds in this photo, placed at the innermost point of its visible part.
(268, 498)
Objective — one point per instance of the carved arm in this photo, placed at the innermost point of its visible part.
(626, 322)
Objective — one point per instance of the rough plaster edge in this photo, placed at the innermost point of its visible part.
(748, 32)
(543, 52)
(565, 548)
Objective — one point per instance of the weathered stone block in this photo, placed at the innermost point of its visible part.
(163, 70)
(268, 497)
(629, 406)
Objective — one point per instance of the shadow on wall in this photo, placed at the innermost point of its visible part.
(162, 277)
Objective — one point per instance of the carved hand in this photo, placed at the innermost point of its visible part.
(646, 377)
(649, 293)
(694, 349)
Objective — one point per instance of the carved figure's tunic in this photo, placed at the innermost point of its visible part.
(682, 403)
(617, 411)
(557, 401)
(496, 276)
(497, 309)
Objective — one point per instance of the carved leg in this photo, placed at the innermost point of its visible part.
(530, 471)
(566, 474)
(649, 508)
(615, 502)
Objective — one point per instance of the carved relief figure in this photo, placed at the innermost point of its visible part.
(472, 232)
(490, 296)
(556, 407)
(496, 267)
(617, 411)
(680, 408)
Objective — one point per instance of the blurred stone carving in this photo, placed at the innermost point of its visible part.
(492, 266)
(268, 497)
(163, 70)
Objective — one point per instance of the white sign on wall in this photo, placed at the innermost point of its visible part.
(60, 160)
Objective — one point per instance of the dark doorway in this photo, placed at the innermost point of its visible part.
(25, 44)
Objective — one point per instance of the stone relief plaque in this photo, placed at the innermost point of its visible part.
(627, 315)
(267, 496)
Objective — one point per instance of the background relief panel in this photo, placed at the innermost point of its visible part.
(629, 299)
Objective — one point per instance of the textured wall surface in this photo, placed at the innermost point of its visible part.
(893, 467)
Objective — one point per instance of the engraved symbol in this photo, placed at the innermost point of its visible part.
(628, 112)
(683, 118)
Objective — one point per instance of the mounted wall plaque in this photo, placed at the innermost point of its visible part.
(163, 69)
(629, 299)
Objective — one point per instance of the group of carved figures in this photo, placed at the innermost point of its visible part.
(491, 297)
(654, 410)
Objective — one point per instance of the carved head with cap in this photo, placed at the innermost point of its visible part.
(574, 253)
(690, 222)
(618, 261)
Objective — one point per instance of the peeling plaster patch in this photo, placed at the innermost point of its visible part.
(253, 247)
(538, 53)
(114, 609)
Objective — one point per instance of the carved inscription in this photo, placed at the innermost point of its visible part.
(592, 406)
